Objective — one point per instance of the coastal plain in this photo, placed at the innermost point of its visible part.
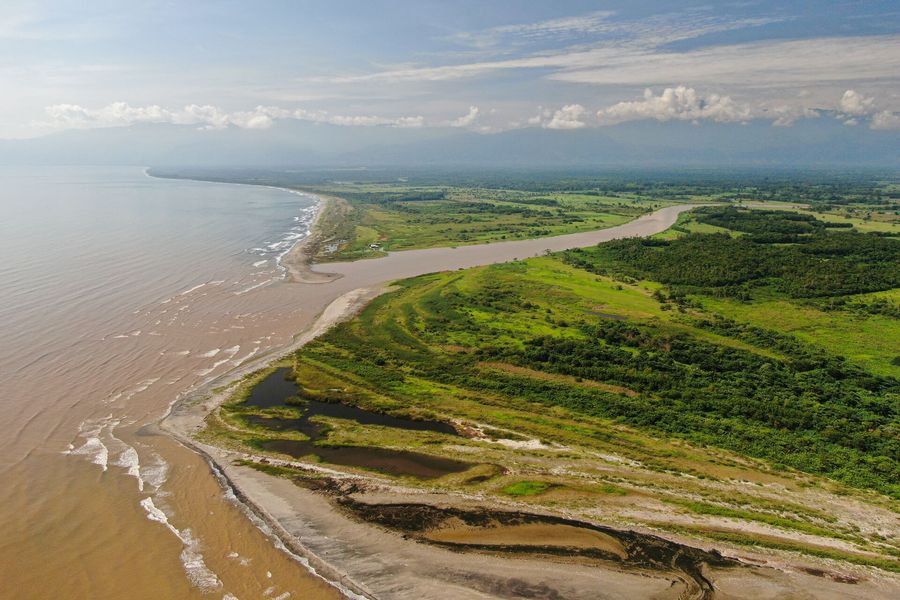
(532, 469)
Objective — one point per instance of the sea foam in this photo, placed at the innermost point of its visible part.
(191, 557)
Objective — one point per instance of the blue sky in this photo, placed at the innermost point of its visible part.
(485, 66)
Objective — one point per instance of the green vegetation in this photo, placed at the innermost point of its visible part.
(836, 289)
(430, 211)
(526, 488)
(818, 263)
(742, 367)
(695, 374)
(704, 508)
(384, 217)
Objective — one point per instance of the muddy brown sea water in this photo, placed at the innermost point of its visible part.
(120, 293)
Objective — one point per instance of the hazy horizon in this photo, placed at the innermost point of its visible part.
(495, 84)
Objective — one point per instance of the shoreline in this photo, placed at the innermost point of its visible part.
(310, 527)
(185, 416)
(296, 260)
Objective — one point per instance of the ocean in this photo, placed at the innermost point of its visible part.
(119, 293)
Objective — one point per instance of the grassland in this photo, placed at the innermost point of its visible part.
(429, 351)
(379, 218)
(752, 414)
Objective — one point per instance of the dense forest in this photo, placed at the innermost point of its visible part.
(713, 381)
(809, 410)
(819, 262)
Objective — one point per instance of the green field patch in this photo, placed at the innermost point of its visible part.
(527, 488)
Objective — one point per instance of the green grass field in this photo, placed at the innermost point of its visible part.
(429, 351)
(730, 420)
(402, 218)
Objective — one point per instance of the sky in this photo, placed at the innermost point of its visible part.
(485, 66)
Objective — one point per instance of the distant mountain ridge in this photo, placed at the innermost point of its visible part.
(826, 143)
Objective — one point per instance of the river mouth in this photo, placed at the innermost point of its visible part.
(280, 390)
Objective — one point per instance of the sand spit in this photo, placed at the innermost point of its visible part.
(298, 260)
(346, 527)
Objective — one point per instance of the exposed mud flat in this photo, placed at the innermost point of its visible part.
(553, 538)
(393, 542)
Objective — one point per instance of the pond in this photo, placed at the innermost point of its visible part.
(275, 389)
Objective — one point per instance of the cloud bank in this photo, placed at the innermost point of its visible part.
(679, 103)
(568, 117)
(122, 114)
(676, 104)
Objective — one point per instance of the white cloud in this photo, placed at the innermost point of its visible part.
(676, 104)
(209, 117)
(467, 119)
(644, 62)
(885, 120)
(756, 65)
(856, 105)
(568, 117)
(786, 115)
(120, 114)
(565, 27)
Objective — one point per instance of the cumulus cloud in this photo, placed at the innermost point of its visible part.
(786, 115)
(567, 117)
(115, 114)
(120, 114)
(855, 107)
(468, 119)
(855, 104)
(885, 120)
(676, 104)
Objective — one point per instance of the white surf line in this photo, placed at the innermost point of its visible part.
(93, 447)
(253, 287)
(263, 526)
(193, 289)
(308, 221)
(239, 361)
(131, 392)
(308, 217)
(129, 460)
(191, 558)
